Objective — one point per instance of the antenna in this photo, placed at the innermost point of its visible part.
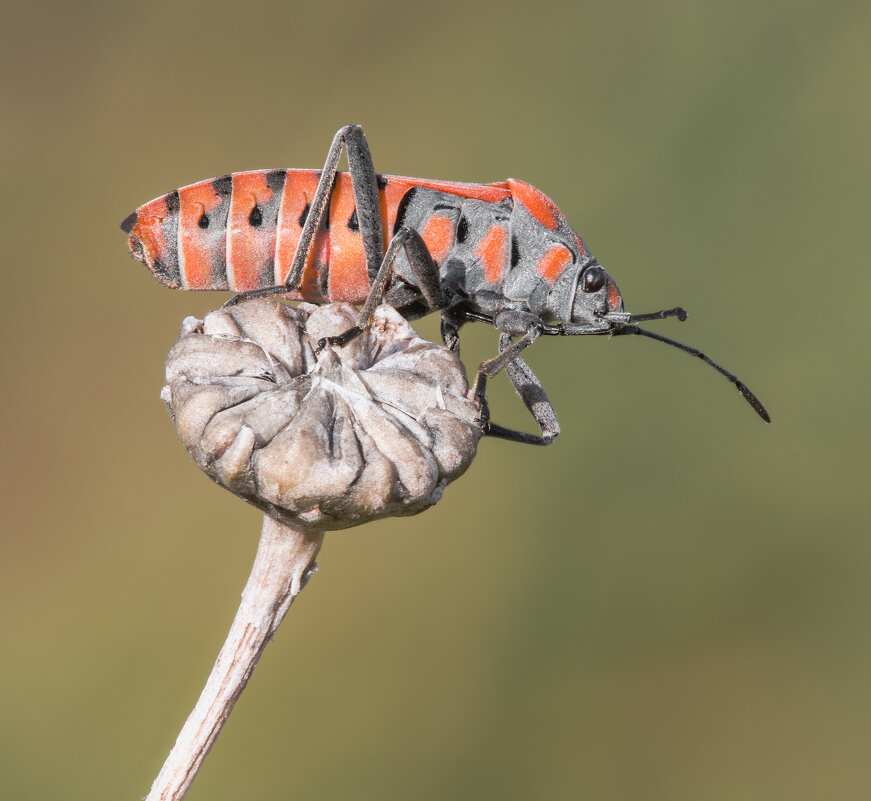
(678, 312)
(742, 387)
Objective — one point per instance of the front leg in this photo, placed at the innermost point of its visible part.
(507, 322)
(525, 382)
(518, 322)
(532, 393)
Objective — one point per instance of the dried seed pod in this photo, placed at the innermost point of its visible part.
(373, 429)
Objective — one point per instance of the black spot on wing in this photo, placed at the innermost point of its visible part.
(223, 185)
(255, 218)
(172, 202)
(203, 222)
(275, 180)
(462, 229)
(515, 251)
(353, 224)
(126, 225)
(304, 216)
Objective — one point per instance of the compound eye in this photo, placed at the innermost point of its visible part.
(594, 279)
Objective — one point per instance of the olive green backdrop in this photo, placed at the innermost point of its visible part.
(671, 602)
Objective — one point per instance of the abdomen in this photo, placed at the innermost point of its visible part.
(239, 232)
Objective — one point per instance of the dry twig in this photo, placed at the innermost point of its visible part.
(374, 429)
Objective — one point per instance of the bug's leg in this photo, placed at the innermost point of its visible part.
(364, 183)
(509, 351)
(423, 269)
(451, 323)
(532, 393)
(525, 382)
(368, 207)
(513, 322)
(281, 289)
(508, 321)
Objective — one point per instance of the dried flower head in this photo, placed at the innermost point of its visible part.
(373, 429)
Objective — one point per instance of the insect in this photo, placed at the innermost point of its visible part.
(499, 253)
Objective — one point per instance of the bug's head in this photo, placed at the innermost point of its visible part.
(581, 291)
(596, 295)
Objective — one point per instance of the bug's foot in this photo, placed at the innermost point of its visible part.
(483, 418)
(265, 292)
(340, 340)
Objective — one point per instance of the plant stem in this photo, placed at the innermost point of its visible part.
(285, 561)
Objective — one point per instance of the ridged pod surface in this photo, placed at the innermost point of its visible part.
(374, 429)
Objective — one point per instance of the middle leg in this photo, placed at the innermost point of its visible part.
(423, 269)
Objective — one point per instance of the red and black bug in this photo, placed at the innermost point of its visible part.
(498, 253)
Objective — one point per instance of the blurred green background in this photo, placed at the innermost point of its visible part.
(671, 602)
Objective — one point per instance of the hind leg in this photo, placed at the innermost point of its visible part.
(368, 204)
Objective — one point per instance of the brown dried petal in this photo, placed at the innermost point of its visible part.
(372, 429)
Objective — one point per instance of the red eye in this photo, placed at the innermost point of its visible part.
(594, 279)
